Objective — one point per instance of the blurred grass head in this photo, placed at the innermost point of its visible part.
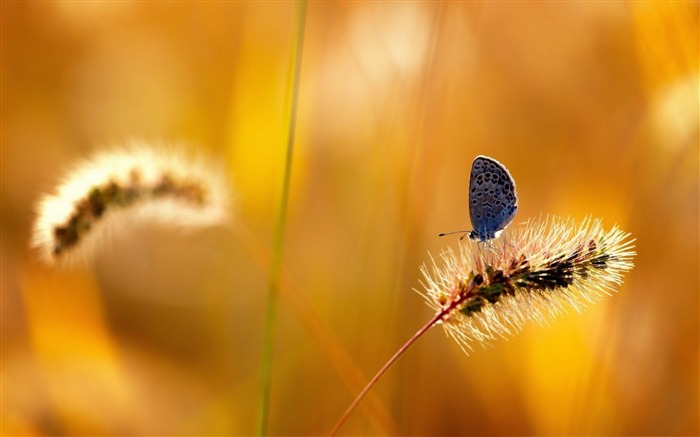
(104, 194)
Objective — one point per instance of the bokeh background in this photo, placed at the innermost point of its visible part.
(593, 106)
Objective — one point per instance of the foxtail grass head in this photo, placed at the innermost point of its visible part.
(102, 195)
(539, 270)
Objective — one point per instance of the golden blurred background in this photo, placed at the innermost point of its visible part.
(593, 106)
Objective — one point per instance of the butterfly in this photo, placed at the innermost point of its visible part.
(492, 199)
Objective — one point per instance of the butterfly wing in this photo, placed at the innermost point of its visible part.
(492, 198)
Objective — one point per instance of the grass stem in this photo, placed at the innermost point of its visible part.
(386, 367)
(278, 237)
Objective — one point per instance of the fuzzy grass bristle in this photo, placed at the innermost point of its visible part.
(535, 272)
(100, 195)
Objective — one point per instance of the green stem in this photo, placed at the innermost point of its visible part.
(278, 238)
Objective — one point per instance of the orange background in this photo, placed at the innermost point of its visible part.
(593, 106)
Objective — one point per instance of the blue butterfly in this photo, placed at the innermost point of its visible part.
(492, 199)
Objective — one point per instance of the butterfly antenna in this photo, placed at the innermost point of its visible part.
(454, 232)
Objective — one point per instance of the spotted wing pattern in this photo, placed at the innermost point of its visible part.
(492, 199)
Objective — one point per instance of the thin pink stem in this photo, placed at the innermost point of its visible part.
(388, 364)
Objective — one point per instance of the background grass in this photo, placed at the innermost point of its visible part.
(593, 107)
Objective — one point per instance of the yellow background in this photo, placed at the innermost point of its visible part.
(593, 107)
